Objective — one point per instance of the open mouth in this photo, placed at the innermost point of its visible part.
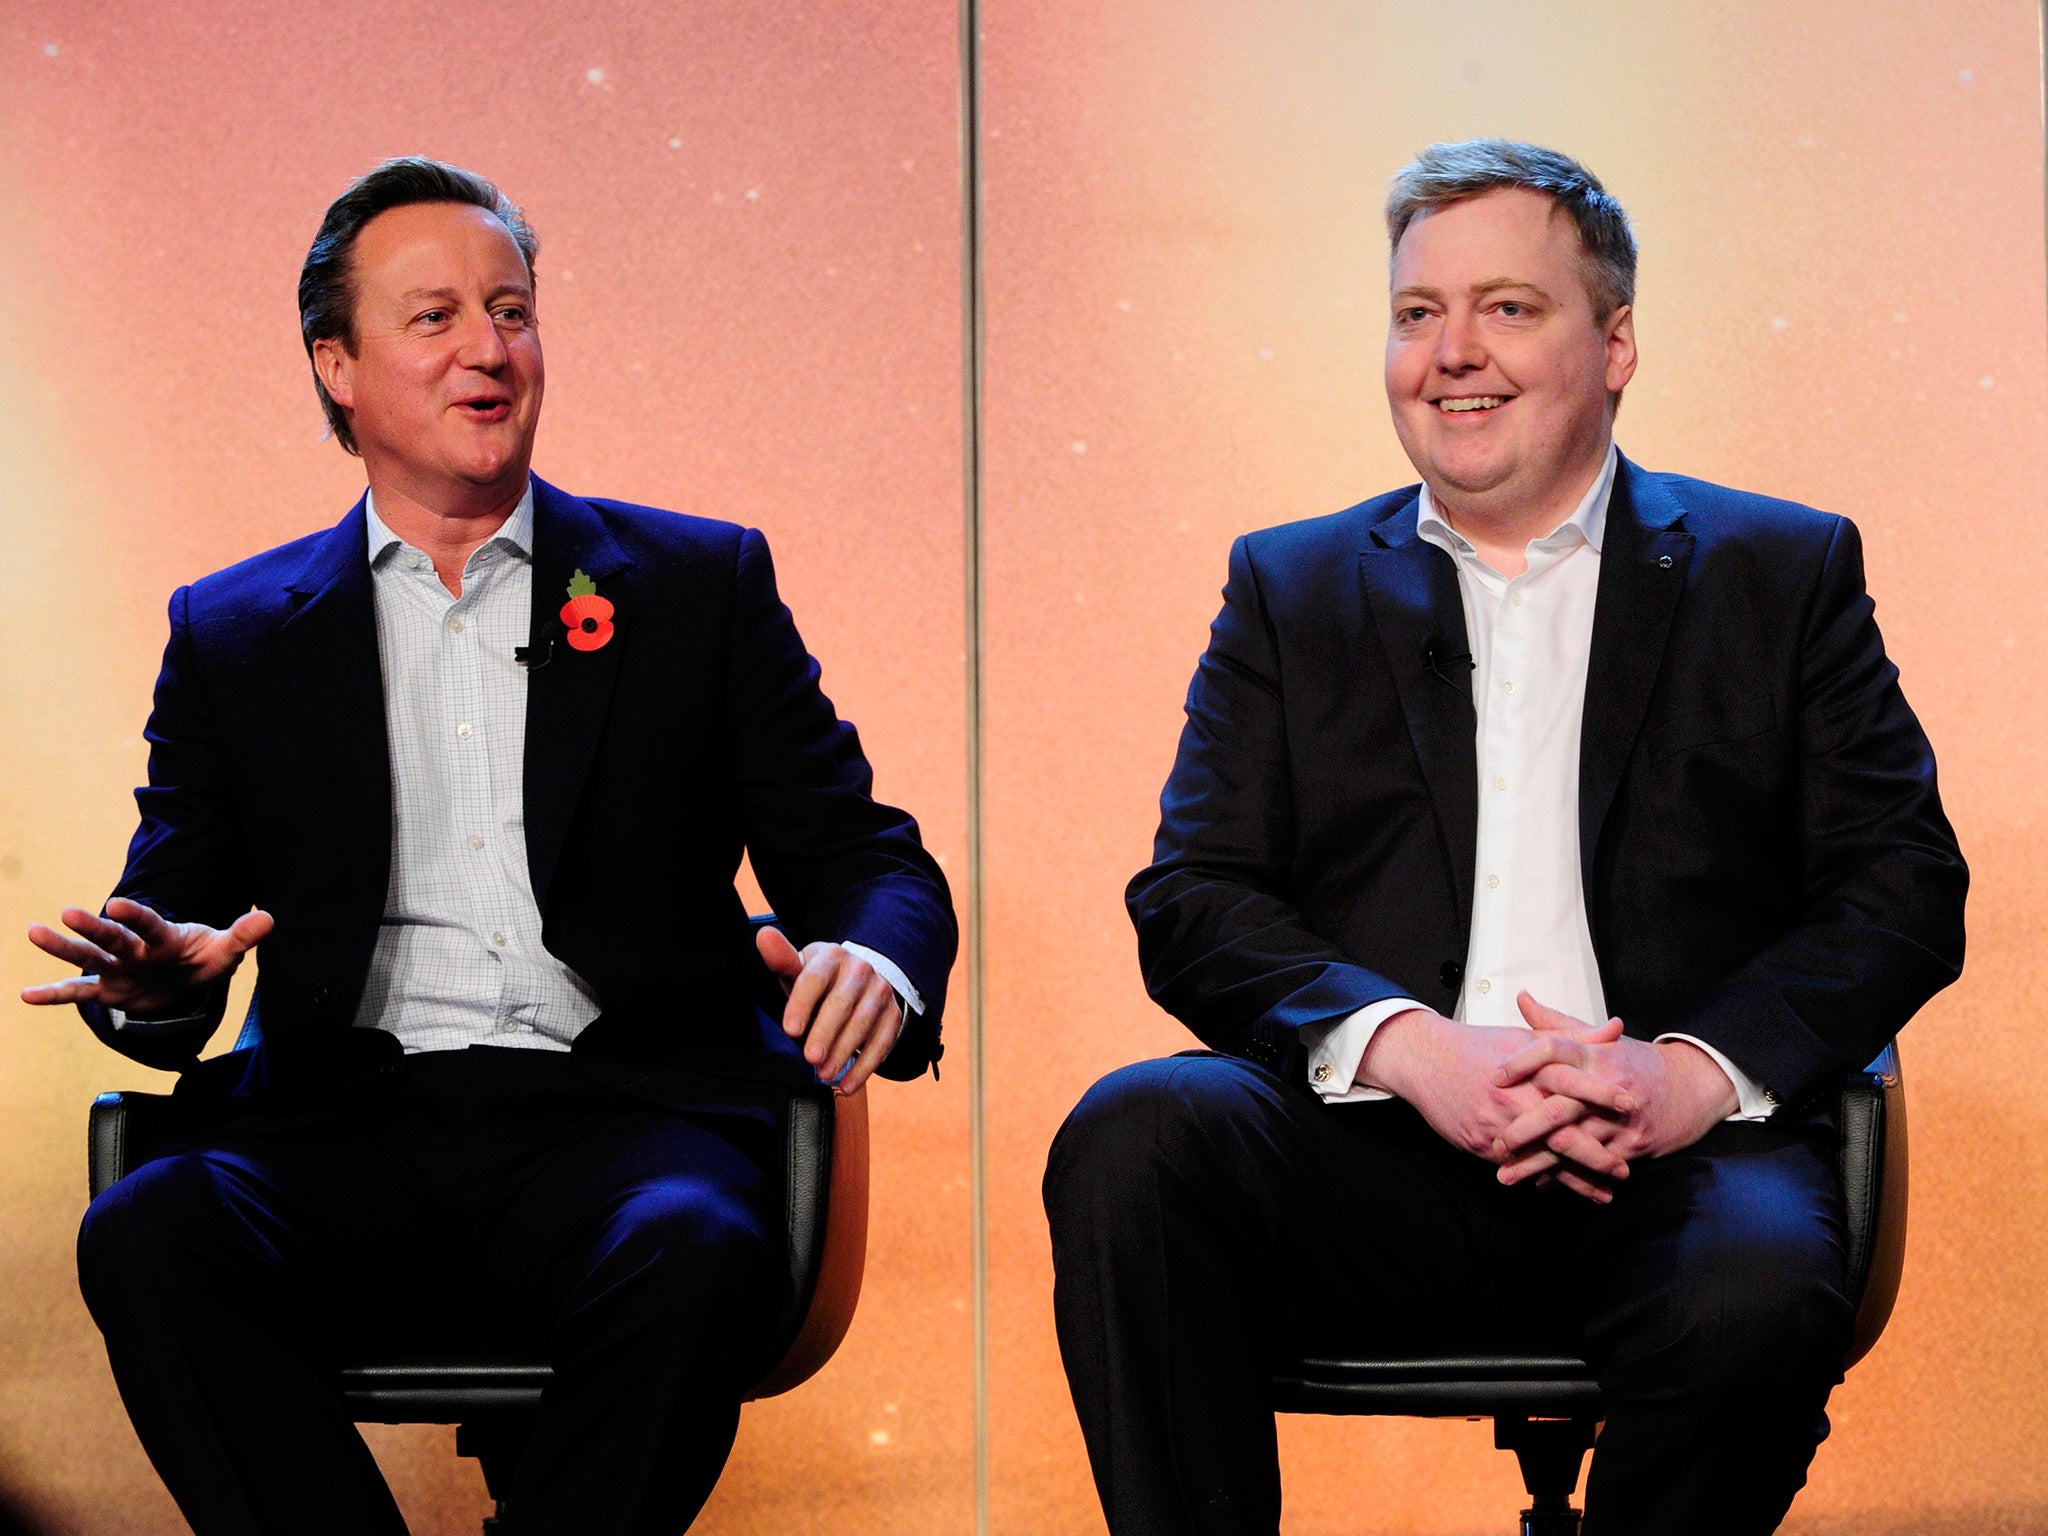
(1471, 404)
(490, 408)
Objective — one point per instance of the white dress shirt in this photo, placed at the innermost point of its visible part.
(1530, 637)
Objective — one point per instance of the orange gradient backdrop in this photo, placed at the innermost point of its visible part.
(749, 288)
(750, 283)
(1840, 210)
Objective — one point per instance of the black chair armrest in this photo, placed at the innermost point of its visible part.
(1872, 1121)
(120, 1125)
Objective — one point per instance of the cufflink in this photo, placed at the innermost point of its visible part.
(1770, 1098)
(1322, 1072)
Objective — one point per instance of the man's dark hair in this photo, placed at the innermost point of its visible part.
(1451, 173)
(327, 292)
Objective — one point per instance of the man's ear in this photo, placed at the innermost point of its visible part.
(1620, 334)
(336, 371)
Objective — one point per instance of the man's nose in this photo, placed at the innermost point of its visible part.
(481, 346)
(1459, 347)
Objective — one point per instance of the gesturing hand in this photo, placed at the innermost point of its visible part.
(839, 1006)
(137, 961)
(1675, 1092)
(1450, 1073)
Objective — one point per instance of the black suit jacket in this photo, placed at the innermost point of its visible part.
(1766, 862)
(651, 762)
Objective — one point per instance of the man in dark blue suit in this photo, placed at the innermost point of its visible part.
(1544, 842)
(474, 770)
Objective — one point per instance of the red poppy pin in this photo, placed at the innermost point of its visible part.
(588, 616)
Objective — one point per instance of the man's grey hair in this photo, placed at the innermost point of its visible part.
(1451, 173)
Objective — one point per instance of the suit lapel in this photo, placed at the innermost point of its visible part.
(569, 695)
(1643, 561)
(327, 647)
(1411, 588)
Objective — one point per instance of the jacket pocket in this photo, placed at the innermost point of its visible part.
(1710, 727)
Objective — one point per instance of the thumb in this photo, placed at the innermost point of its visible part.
(249, 930)
(778, 954)
(1544, 1019)
(1541, 1016)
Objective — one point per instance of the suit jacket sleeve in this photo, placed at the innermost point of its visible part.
(834, 862)
(186, 859)
(1221, 945)
(1881, 929)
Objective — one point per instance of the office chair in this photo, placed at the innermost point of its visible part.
(492, 1399)
(1546, 1408)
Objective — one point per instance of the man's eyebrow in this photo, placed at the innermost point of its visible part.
(1491, 285)
(416, 295)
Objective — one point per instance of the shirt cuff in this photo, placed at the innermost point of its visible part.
(890, 972)
(1333, 1059)
(120, 1019)
(1754, 1101)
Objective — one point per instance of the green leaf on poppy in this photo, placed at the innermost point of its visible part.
(581, 585)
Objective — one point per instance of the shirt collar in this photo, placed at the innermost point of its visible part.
(516, 534)
(1588, 521)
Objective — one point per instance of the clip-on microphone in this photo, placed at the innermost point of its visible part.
(523, 654)
(1436, 656)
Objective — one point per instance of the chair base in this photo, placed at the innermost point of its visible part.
(1550, 1452)
(497, 1443)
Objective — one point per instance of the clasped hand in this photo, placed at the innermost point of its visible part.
(842, 1009)
(1575, 1104)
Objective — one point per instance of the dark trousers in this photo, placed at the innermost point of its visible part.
(1208, 1219)
(487, 1195)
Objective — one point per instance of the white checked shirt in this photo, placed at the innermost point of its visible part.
(1530, 638)
(458, 959)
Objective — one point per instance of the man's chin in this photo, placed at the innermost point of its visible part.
(1465, 479)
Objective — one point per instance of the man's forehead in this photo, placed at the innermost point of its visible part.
(1500, 239)
(418, 234)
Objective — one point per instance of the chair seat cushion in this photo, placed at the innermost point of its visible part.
(441, 1391)
(1440, 1386)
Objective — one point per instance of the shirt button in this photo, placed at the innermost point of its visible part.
(465, 730)
(1515, 598)
(455, 626)
(1485, 986)
(1322, 1072)
(419, 562)
(1507, 687)
(1498, 783)
(1492, 881)
(498, 939)
(508, 1026)
(475, 841)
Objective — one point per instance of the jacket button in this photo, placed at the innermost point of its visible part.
(1451, 973)
(322, 995)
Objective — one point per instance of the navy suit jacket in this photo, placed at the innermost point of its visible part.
(651, 762)
(1766, 863)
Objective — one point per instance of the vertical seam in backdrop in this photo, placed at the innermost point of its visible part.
(971, 428)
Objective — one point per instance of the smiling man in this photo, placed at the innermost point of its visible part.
(1545, 842)
(472, 773)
